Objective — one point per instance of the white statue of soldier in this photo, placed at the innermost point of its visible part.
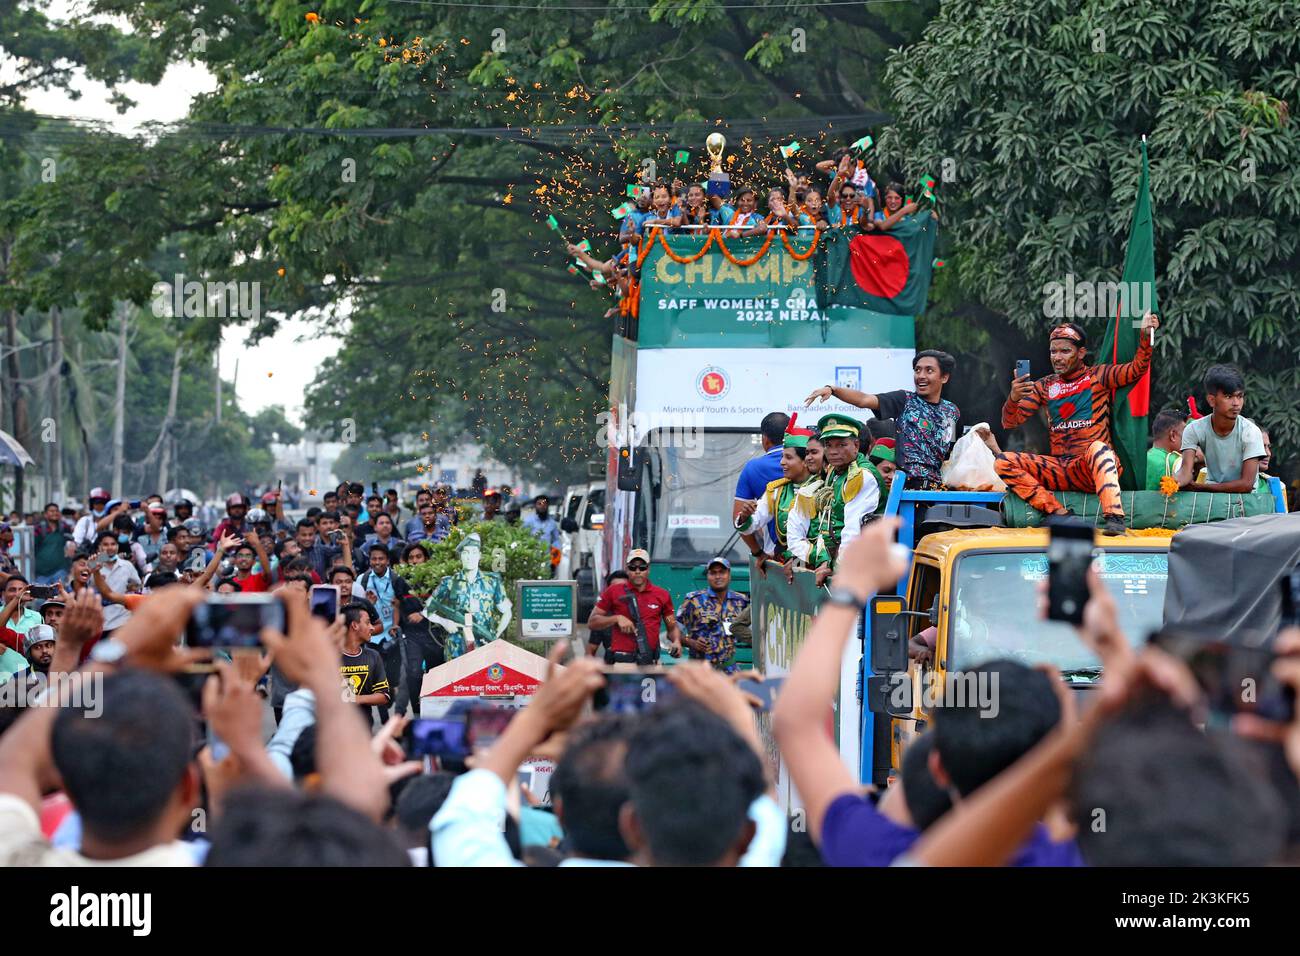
(470, 605)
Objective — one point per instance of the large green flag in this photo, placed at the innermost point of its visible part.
(883, 271)
(1128, 419)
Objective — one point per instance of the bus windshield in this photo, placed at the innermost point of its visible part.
(684, 508)
(994, 611)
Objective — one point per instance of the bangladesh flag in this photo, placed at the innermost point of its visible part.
(1128, 418)
(882, 271)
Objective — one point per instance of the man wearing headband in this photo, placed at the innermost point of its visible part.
(1078, 399)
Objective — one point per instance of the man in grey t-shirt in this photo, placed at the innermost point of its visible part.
(1232, 444)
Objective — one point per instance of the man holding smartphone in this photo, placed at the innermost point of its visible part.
(1078, 399)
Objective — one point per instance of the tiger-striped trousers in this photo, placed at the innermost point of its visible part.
(1035, 477)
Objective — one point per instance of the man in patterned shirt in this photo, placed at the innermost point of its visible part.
(706, 616)
(1078, 398)
(925, 422)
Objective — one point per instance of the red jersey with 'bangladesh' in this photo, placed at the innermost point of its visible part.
(1078, 409)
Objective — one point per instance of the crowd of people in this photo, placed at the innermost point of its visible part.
(119, 551)
(163, 759)
(833, 193)
(162, 770)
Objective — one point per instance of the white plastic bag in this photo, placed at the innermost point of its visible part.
(970, 465)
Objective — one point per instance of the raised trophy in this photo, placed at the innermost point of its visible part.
(719, 182)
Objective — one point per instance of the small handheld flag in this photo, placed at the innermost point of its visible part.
(861, 145)
(683, 157)
(585, 245)
(553, 223)
(618, 212)
(790, 149)
(927, 187)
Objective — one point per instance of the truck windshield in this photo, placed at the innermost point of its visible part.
(687, 490)
(994, 610)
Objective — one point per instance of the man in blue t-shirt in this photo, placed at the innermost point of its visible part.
(978, 734)
(759, 472)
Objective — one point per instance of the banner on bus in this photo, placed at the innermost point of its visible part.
(770, 303)
(712, 388)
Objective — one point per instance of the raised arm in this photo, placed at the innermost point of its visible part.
(107, 593)
(255, 540)
(850, 396)
(1024, 399)
(350, 771)
(1117, 376)
(799, 718)
(226, 542)
(12, 606)
(894, 219)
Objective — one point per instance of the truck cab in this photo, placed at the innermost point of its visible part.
(975, 582)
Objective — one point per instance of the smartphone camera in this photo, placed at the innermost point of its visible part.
(1069, 554)
(630, 692)
(234, 620)
(440, 737)
(325, 602)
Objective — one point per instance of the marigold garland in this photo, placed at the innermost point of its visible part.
(683, 260)
(631, 303)
(743, 263)
(789, 246)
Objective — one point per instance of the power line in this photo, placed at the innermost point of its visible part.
(67, 129)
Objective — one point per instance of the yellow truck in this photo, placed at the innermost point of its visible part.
(977, 589)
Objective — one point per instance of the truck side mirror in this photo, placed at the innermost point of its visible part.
(888, 635)
(568, 525)
(890, 694)
(934, 612)
(629, 470)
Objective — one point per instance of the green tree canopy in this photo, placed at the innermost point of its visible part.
(1037, 107)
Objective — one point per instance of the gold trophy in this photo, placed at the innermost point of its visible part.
(719, 182)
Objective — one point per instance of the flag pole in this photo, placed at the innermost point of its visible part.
(1144, 144)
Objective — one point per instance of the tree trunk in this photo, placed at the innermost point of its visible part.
(119, 405)
(166, 438)
(58, 493)
(17, 400)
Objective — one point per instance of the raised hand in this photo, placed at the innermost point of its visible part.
(819, 394)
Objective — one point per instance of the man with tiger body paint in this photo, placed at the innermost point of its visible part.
(1078, 400)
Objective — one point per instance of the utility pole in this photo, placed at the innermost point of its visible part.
(217, 357)
(119, 420)
(166, 437)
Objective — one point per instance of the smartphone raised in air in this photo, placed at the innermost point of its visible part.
(1069, 554)
(234, 620)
